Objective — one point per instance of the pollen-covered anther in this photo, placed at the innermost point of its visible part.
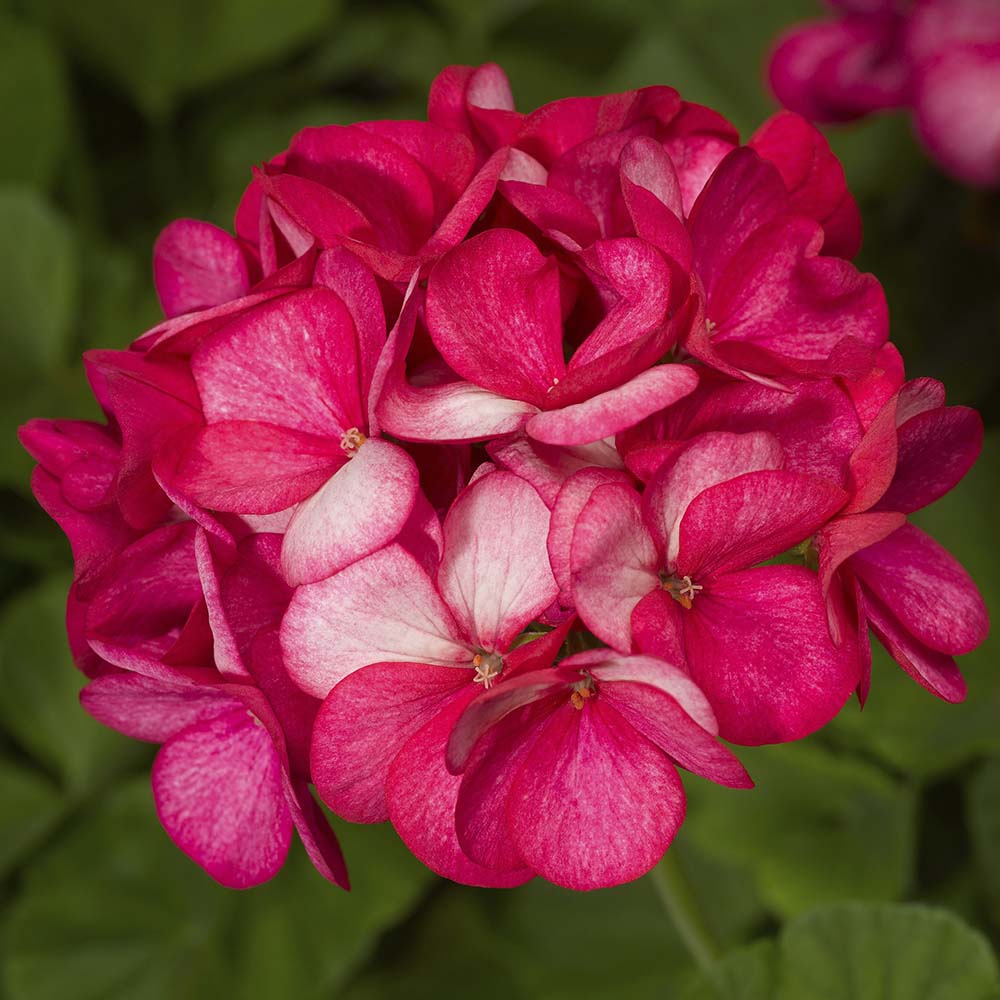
(488, 667)
(351, 440)
(583, 691)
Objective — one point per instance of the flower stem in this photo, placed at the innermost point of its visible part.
(678, 898)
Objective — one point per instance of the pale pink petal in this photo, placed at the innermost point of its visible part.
(709, 459)
(925, 587)
(363, 506)
(759, 647)
(350, 762)
(218, 791)
(612, 411)
(383, 608)
(594, 804)
(571, 500)
(752, 518)
(614, 563)
(495, 573)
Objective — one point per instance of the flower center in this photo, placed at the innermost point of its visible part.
(488, 667)
(351, 440)
(583, 691)
(681, 589)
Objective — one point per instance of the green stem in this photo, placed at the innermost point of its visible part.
(678, 898)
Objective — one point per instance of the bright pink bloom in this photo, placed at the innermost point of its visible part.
(222, 781)
(940, 58)
(572, 771)
(668, 573)
(407, 652)
(285, 393)
(876, 568)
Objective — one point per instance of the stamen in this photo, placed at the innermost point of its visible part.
(682, 590)
(488, 668)
(351, 441)
(583, 691)
(709, 325)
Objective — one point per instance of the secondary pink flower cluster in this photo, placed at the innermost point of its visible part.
(493, 470)
(938, 58)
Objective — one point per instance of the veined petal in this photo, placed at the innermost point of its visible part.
(614, 563)
(758, 646)
(362, 507)
(495, 574)
(383, 608)
(594, 803)
(219, 794)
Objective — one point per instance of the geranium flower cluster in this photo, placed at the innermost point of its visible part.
(497, 467)
(940, 59)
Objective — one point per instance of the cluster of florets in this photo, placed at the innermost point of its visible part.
(939, 59)
(495, 469)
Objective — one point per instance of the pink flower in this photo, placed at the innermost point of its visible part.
(572, 772)
(407, 652)
(879, 571)
(669, 573)
(939, 58)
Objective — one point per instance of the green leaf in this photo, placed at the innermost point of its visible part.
(37, 285)
(902, 723)
(40, 706)
(31, 806)
(858, 952)
(32, 131)
(983, 806)
(116, 912)
(595, 944)
(817, 827)
(301, 936)
(749, 973)
(161, 52)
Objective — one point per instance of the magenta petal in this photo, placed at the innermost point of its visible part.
(873, 462)
(317, 837)
(493, 312)
(925, 587)
(594, 804)
(250, 468)
(614, 563)
(383, 608)
(361, 508)
(219, 794)
(495, 573)
(936, 449)
(292, 362)
(350, 762)
(752, 518)
(616, 409)
(422, 796)
(844, 536)
(935, 671)
(197, 265)
(149, 709)
(758, 646)
(664, 722)
(709, 459)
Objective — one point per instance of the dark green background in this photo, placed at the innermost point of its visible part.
(115, 117)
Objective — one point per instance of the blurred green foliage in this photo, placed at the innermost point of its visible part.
(116, 117)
